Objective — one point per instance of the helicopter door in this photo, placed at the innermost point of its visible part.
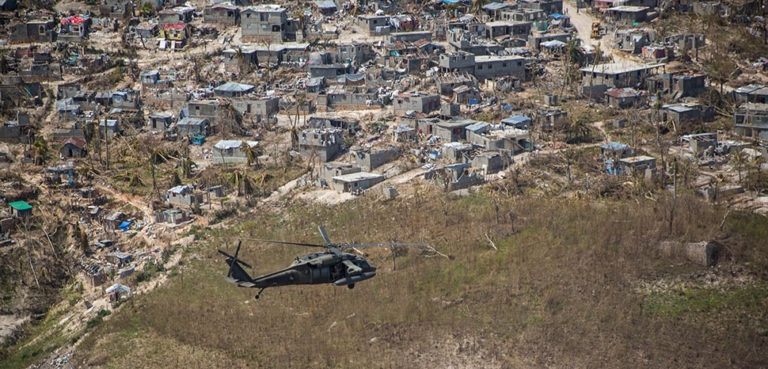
(321, 274)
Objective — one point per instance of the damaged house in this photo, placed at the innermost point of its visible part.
(490, 66)
(174, 36)
(415, 102)
(74, 28)
(267, 23)
(160, 121)
(116, 8)
(184, 196)
(354, 182)
(369, 159)
(686, 113)
(34, 31)
(511, 140)
(231, 151)
(223, 14)
(375, 25)
(751, 120)
(678, 85)
(325, 144)
(454, 177)
(597, 79)
(189, 127)
(489, 162)
(339, 97)
(622, 98)
(72, 148)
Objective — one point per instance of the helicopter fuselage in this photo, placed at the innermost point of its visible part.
(322, 267)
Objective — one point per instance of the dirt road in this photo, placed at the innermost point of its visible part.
(582, 21)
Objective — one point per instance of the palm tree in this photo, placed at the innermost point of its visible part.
(175, 180)
(236, 178)
(577, 131)
(756, 162)
(40, 148)
(739, 159)
(477, 5)
(247, 185)
(146, 9)
(294, 130)
(136, 180)
(186, 167)
(252, 153)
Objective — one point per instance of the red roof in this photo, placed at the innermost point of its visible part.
(74, 141)
(174, 26)
(73, 19)
(624, 93)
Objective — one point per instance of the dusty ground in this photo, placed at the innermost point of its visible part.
(8, 323)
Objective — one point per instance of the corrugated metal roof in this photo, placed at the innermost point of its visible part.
(515, 119)
(359, 176)
(495, 6)
(614, 146)
(180, 189)
(234, 87)
(190, 121)
(20, 205)
(477, 126)
(232, 144)
(325, 4)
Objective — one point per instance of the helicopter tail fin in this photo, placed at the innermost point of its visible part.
(236, 272)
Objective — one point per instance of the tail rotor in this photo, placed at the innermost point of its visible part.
(235, 270)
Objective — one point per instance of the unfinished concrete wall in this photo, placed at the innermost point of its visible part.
(703, 253)
(374, 158)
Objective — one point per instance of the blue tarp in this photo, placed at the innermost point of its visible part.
(124, 225)
(451, 1)
(557, 16)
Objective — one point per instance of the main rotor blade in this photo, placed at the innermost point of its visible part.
(325, 235)
(288, 243)
(380, 244)
(235, 259)
(225, 254)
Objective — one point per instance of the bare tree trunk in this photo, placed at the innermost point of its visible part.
(106, 143)
(32, 266)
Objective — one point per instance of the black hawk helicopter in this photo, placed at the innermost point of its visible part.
(331, 266)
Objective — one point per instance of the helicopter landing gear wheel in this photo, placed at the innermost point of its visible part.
(258, 294)
(351, 286)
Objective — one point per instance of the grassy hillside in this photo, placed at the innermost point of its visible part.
(572, 283)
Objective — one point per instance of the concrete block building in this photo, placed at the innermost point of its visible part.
(325, 144)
